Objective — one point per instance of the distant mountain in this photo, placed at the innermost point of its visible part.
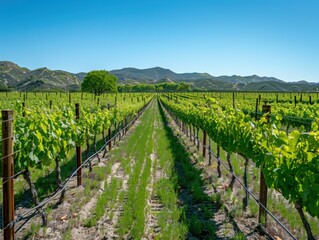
(247, 79)
(151, 75)
(80, 76)
(18, 78)
(11, 74)
(204, 81)
(14, 77)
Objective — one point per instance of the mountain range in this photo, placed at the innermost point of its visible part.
(14, 77)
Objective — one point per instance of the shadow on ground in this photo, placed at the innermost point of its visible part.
(199, 207)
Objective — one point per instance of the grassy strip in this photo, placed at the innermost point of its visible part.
(276, 205)
(104, 200)
(199, 219)
(132, 221)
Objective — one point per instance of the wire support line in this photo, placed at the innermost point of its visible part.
(33, 210)
(8, 120)
(249, 192)
(3, 157)
(6, 179)
(10, 137)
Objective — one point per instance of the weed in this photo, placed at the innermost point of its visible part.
(239, 236)
(195, 226)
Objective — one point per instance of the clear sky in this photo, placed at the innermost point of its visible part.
(277, 38)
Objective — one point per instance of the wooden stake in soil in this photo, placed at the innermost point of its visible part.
(256, 110)
(23, 109)
(7, 174)
(246, 199)
(78, 150)
(110, 142)
(209, 151)
(263, 191)
(218, 162)
(204, 143)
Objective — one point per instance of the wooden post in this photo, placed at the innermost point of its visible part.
(259, 98)
(233, 100)
(263, 190)
(197, 132)
(256, 110)
(125, 125)
(23, 109)
(204, 143)
(50, 104)
(186, 129)
(110, 142)
(7, 174)
(218, 162)
(209, 151)
(295, 101)
(310, 100)
(246, 199)
(69, 97)
(78, 150)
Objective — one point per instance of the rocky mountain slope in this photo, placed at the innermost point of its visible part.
(14, 77)
(22, 79)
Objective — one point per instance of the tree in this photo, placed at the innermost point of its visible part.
(99, 82)
(184, 87)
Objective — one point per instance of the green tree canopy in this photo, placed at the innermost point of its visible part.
(99, 82)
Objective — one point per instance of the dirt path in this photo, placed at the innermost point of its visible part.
(146, 192)
(227, 226)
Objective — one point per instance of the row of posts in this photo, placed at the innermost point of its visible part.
(263, 190)
(8, 168)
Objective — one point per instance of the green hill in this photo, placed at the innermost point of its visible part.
(14, 77)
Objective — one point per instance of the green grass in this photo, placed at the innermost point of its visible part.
(149, 138)
(279, 207)
(199, 223)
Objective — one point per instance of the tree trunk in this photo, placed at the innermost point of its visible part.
(218, 162)
(103, 136)
(87, 154)
(305, 223)
(245, 200)
(95, 149)
(114, 140)
(58, 178)
(197, 131)
(231, 185)
(34, 193)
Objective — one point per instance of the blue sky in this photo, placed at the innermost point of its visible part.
(277, 38)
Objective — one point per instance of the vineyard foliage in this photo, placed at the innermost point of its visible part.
(42, 134)
(289, 160)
